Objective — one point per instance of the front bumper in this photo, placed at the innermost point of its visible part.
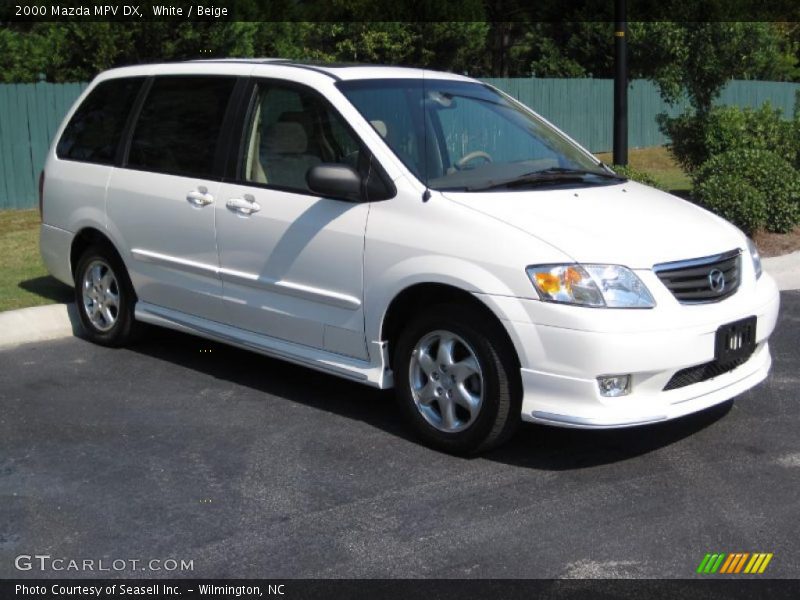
(561, 363)
(572, 402)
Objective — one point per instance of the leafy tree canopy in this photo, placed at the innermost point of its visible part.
(691, 58)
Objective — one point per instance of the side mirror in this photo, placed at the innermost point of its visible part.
(335, 181)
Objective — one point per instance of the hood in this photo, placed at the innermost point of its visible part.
(626, 224)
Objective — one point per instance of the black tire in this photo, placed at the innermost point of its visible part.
(123, 327)
(498, 414)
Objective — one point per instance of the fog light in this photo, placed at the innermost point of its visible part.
(612, 386)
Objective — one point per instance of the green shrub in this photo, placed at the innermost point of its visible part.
(734, 199)
(637, 175)
(697, 137)
(752, 188)
(687, 139)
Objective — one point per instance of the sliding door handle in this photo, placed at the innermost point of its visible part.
(245, 206)
(200, 197)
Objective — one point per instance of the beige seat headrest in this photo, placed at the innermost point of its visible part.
(285, 138)
(380, 127)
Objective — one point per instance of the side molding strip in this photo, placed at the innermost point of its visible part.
(288, 288)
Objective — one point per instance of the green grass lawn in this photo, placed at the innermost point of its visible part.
(23, 278)
(657, 162)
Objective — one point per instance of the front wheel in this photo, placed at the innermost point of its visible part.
(104, 297)
(456, 380)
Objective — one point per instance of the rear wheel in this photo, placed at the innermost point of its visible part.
(456, 380)
(104, 297)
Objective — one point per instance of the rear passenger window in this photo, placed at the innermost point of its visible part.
(179, 126)
(94, 131)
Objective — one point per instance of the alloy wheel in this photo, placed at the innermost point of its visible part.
(101, 295)
(446, 381)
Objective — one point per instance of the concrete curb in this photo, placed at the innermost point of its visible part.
(785, 270)
(38, 324)
(42, 323)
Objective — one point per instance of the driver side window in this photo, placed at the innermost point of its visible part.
(291, 131)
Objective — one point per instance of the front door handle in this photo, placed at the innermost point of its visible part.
(200, 196)
(246, 205)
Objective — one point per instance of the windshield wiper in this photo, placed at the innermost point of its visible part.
(544, 177)
(606, 174)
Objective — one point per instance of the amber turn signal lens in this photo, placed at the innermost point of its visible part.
(548, 282)
(571, 277)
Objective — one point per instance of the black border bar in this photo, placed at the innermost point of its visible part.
(509, 11)
(709, 587)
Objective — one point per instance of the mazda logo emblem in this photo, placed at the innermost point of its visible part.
(716, 280)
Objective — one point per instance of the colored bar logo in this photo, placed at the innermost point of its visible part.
(735, 563)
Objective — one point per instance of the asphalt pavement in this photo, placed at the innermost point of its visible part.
(181, 449)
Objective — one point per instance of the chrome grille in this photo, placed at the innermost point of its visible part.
(690, 281)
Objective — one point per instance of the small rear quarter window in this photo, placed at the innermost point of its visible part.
(95, 130)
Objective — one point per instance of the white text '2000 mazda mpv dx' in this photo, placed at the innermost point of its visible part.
(402, 228)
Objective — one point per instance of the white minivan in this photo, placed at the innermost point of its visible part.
(399, 227)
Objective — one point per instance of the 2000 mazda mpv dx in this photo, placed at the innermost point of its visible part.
(399, 228)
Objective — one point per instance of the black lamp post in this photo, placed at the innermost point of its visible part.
(620, 83)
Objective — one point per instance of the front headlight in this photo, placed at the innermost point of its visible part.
(755, 257)
(609, 286)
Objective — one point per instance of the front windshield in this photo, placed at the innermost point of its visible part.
(463, 135)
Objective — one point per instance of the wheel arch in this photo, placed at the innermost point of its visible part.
(89, 236)
(416, 297)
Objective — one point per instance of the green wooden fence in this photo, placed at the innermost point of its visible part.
(29, 116)
(584, 109)
(31, 113)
